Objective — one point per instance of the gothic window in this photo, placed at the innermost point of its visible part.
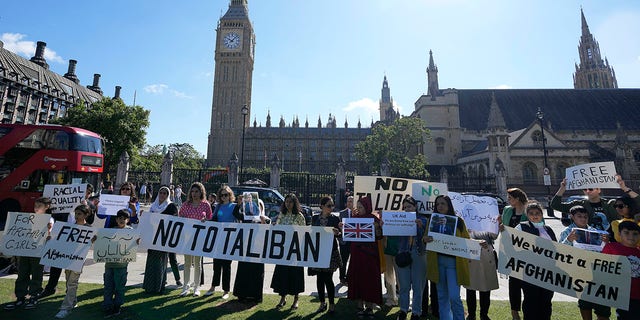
(561, 170)
(440, 145)
(529, 173)
(536, 136)
(482, 172)
(589, 54)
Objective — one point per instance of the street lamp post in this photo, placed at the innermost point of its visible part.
(245, 112)
(547, 176)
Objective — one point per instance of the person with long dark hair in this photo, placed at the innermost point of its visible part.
(223, 212)
(447, 271)
(324, 276)
(512, 215)
(289, 279)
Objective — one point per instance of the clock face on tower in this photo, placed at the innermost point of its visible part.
(231, 40)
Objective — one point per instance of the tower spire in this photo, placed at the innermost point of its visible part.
(432, 78)
(386, 102)
(585, 26)
(593, 72)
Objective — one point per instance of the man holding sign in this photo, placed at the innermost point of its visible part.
(594, 203)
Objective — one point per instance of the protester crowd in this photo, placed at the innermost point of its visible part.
(404, 264)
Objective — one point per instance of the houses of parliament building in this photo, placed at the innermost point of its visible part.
(475, 132)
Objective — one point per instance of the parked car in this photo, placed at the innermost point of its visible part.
(501, 202)
(273, 201)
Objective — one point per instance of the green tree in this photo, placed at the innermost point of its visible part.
(186, 156)
(122, 127)
(398, 142)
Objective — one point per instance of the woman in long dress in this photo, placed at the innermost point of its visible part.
(289, 279)
(250, 275)
(155, 271)
(363, 276)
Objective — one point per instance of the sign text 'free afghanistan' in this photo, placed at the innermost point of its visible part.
(592, 175)
(595, 277)
(262, 243)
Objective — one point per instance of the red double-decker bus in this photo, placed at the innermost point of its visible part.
(34, 155)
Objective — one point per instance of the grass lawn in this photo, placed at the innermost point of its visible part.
(139, 305)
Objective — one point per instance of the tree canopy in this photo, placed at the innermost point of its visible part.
(150, 158)
(122, 127)
(399, 142)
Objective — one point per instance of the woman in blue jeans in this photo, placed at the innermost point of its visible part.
(412, 277)
(447, 271)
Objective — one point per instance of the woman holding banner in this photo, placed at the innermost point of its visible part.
(537, 301)
(512, 215)
(196, 207)
(482, 275)
(127, 189)
(155, 271)
(223, 212)
(447, 271)
(363, 275)
(289, 279)
(250, 275)
(411, 277)
(325, 276)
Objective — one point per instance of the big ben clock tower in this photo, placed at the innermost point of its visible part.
(231, 83)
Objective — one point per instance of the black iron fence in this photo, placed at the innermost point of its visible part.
(309, 187)
(212, 179)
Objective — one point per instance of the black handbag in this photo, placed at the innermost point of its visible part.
(403, 259)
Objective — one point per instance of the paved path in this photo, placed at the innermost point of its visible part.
(92, 273)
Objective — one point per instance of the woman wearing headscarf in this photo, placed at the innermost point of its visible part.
(289, 279)
(363, 276)
(155, 271)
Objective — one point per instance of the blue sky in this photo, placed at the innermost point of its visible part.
(315, 57)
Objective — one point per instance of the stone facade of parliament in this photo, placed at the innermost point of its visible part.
(475, 133)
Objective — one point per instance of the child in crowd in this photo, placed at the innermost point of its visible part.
(30, 270)
(580, 217)
(81, 213)
(115, 274)
(629, 235)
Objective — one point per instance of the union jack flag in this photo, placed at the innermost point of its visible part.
(358, 230)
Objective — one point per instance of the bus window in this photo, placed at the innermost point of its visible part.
(86, 143)
(58, 140)
(4, 131)
(41, 177)
(33, 141)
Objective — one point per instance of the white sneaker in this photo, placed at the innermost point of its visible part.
(209, 292)
(184, 292)
(196, 293)
(225, 296)
(62, 314)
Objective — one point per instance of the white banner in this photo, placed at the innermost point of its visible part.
(425, 194)
(454, 246)
(111, 203)
(592, 175)
(64, 197)
(599, 278)
(116, 245)
(25, 234)
(386, 192)
(68, 247)
(263, 243)
(479, 213)
(399, 224)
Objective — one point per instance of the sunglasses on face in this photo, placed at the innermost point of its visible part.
(329, 205)
(588, 190)
(620, 206)
(125, 188)
(224, 195)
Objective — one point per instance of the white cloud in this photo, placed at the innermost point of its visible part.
(161, 88)
(14, 42)
(502, 86)
(365, 104)
(156, 88)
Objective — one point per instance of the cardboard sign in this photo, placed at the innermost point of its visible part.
(358, 230)
(425, 194)
(25, 234)
(251, 242)
(64, 197)
(399, 223)
(455, 246)
(479, 213)
(386, 193)
(68, 247)
(111, 203)
(599, 278)
(116, 245)
(592, 175)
